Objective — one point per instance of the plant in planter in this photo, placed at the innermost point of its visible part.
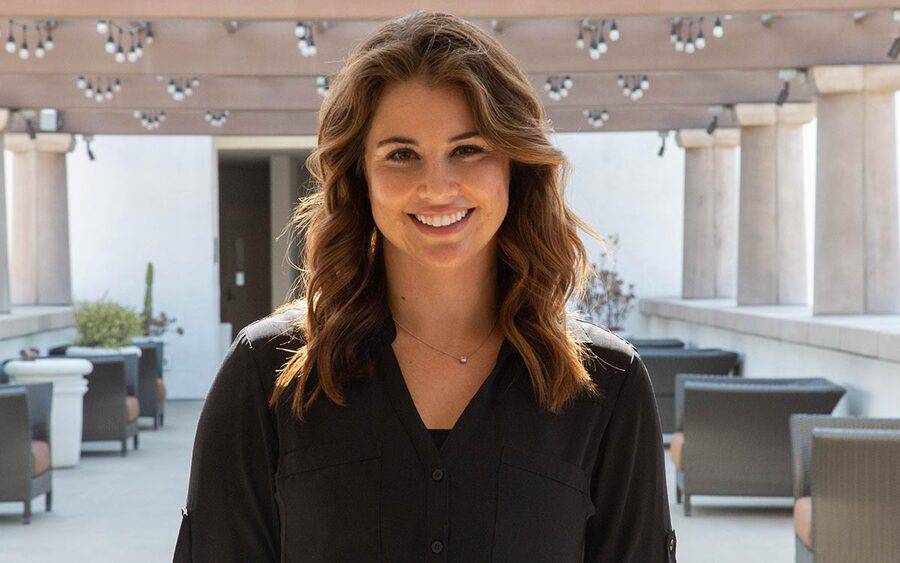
(104, 327)
(603, 298)
(154, 327)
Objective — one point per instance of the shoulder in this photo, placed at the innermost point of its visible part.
(613, 351)
(271, 341)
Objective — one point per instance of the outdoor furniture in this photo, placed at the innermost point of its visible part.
(657, 343)
(110, 412)
(151, 388)
(69, 387)
(663, 364)
(25, 444)
(733, 434)
(846, 487)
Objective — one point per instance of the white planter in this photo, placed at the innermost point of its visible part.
(69, 387)
(94, 351)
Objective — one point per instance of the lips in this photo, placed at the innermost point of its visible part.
(449, 229)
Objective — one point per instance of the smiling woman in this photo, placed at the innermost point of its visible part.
(440, 253)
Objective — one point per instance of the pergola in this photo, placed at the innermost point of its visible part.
(777, 65)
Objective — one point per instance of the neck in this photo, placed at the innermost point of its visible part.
(449, 307)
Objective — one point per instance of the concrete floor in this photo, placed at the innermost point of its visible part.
(111, 508)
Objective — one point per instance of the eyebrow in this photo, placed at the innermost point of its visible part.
(409, 141)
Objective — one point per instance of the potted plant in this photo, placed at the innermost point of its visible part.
(104, 327)
(152, 328)
(604, 299)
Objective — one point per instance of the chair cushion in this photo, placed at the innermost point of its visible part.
(132, 408)
(676, 450)
(160, 389)
(803, 520)
(40, 457)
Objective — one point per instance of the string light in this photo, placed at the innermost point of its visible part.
(216, 118)
(633, 86)
(98, 92)
(137, 35)
(150, 120)
(42, 46)
(179, 90)
(323, 84)
(596, 119)
(597, 36)
(558, 88)
(687, 35)
(306, 43)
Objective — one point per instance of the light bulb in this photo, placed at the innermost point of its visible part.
(595, 53)
(171, 87)
(162, 116)
(679, 45)
(718, 30)
(690, 46)
(89, 92)
(673, 34)
(300, 30)
(636, 95)
(627, 90)
(621, 81)
(548, 85)
(48, 44)
(139, 50)
(39, 51)
(149, 37)
(10, 45)
(110, 44)
(208, 116)
(188, 90)
(108, 93)
(81, 83)
(23, 52)
(567, 82)
(580, 41)
(195, 82)
(98, 96)
(179, 94)
(120, 55)
(604, 115)
(645, 83)
(312, 49)
(603, 47)
(132, 55)
(101, 27)
(701, 41)
(614, 31)
(117, 86)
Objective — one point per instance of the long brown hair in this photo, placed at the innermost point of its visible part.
(541, 260)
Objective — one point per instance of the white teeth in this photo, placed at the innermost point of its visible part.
(442, 220)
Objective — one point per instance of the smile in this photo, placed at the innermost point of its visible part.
(442, 224)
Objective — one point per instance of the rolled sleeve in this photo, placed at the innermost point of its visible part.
(231, 513)
(628, 487)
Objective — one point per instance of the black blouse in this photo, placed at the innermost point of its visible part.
(366, 481)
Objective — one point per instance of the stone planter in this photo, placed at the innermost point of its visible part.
(69, 387)
(94, 351)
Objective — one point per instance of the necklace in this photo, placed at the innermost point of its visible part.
(462, 359)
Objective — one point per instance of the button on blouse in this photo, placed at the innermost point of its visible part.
(369, 482)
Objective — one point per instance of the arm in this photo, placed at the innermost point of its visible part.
(231, 513)
(628, 486)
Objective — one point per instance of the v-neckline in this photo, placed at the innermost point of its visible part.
(458, 436)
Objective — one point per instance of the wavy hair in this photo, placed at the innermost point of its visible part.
(541, 261)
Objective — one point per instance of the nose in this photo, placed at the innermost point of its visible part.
(440, 182)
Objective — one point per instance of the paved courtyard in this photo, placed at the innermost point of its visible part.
(111, 508)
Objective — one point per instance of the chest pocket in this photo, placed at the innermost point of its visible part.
(328, 496)
(543, 504)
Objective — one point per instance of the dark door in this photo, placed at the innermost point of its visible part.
(245, 274)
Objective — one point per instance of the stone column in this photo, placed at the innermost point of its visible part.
(40, 266)
(5, 299)
(710, 212)
(857, 245)
(772, 222)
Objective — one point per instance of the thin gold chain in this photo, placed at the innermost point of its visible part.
(460, 359)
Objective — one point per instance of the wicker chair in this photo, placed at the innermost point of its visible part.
(846, 488)
(25, 463)
(151, 389)
(110, 412)
(734, 433)
(663, 364)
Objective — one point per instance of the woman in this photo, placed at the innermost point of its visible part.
(430, 398)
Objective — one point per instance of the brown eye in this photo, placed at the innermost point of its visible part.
(475, 149)
(396, 152)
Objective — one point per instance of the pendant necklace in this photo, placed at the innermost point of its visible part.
(461, 359)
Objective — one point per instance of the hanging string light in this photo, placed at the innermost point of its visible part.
(137, 35)
(558, 88)
(633, 86)
(150, 120)
(597, 36)
(323, 84)
(597, 119)
(95, 89)
(687, 35)
(306, 43)
(22, 49)
(179, 90)
(216, 118)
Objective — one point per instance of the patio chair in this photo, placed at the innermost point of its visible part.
(846, 487)
(663, 364)
(25, 463)
(733, 434)
(110, 412)
(151, 388)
